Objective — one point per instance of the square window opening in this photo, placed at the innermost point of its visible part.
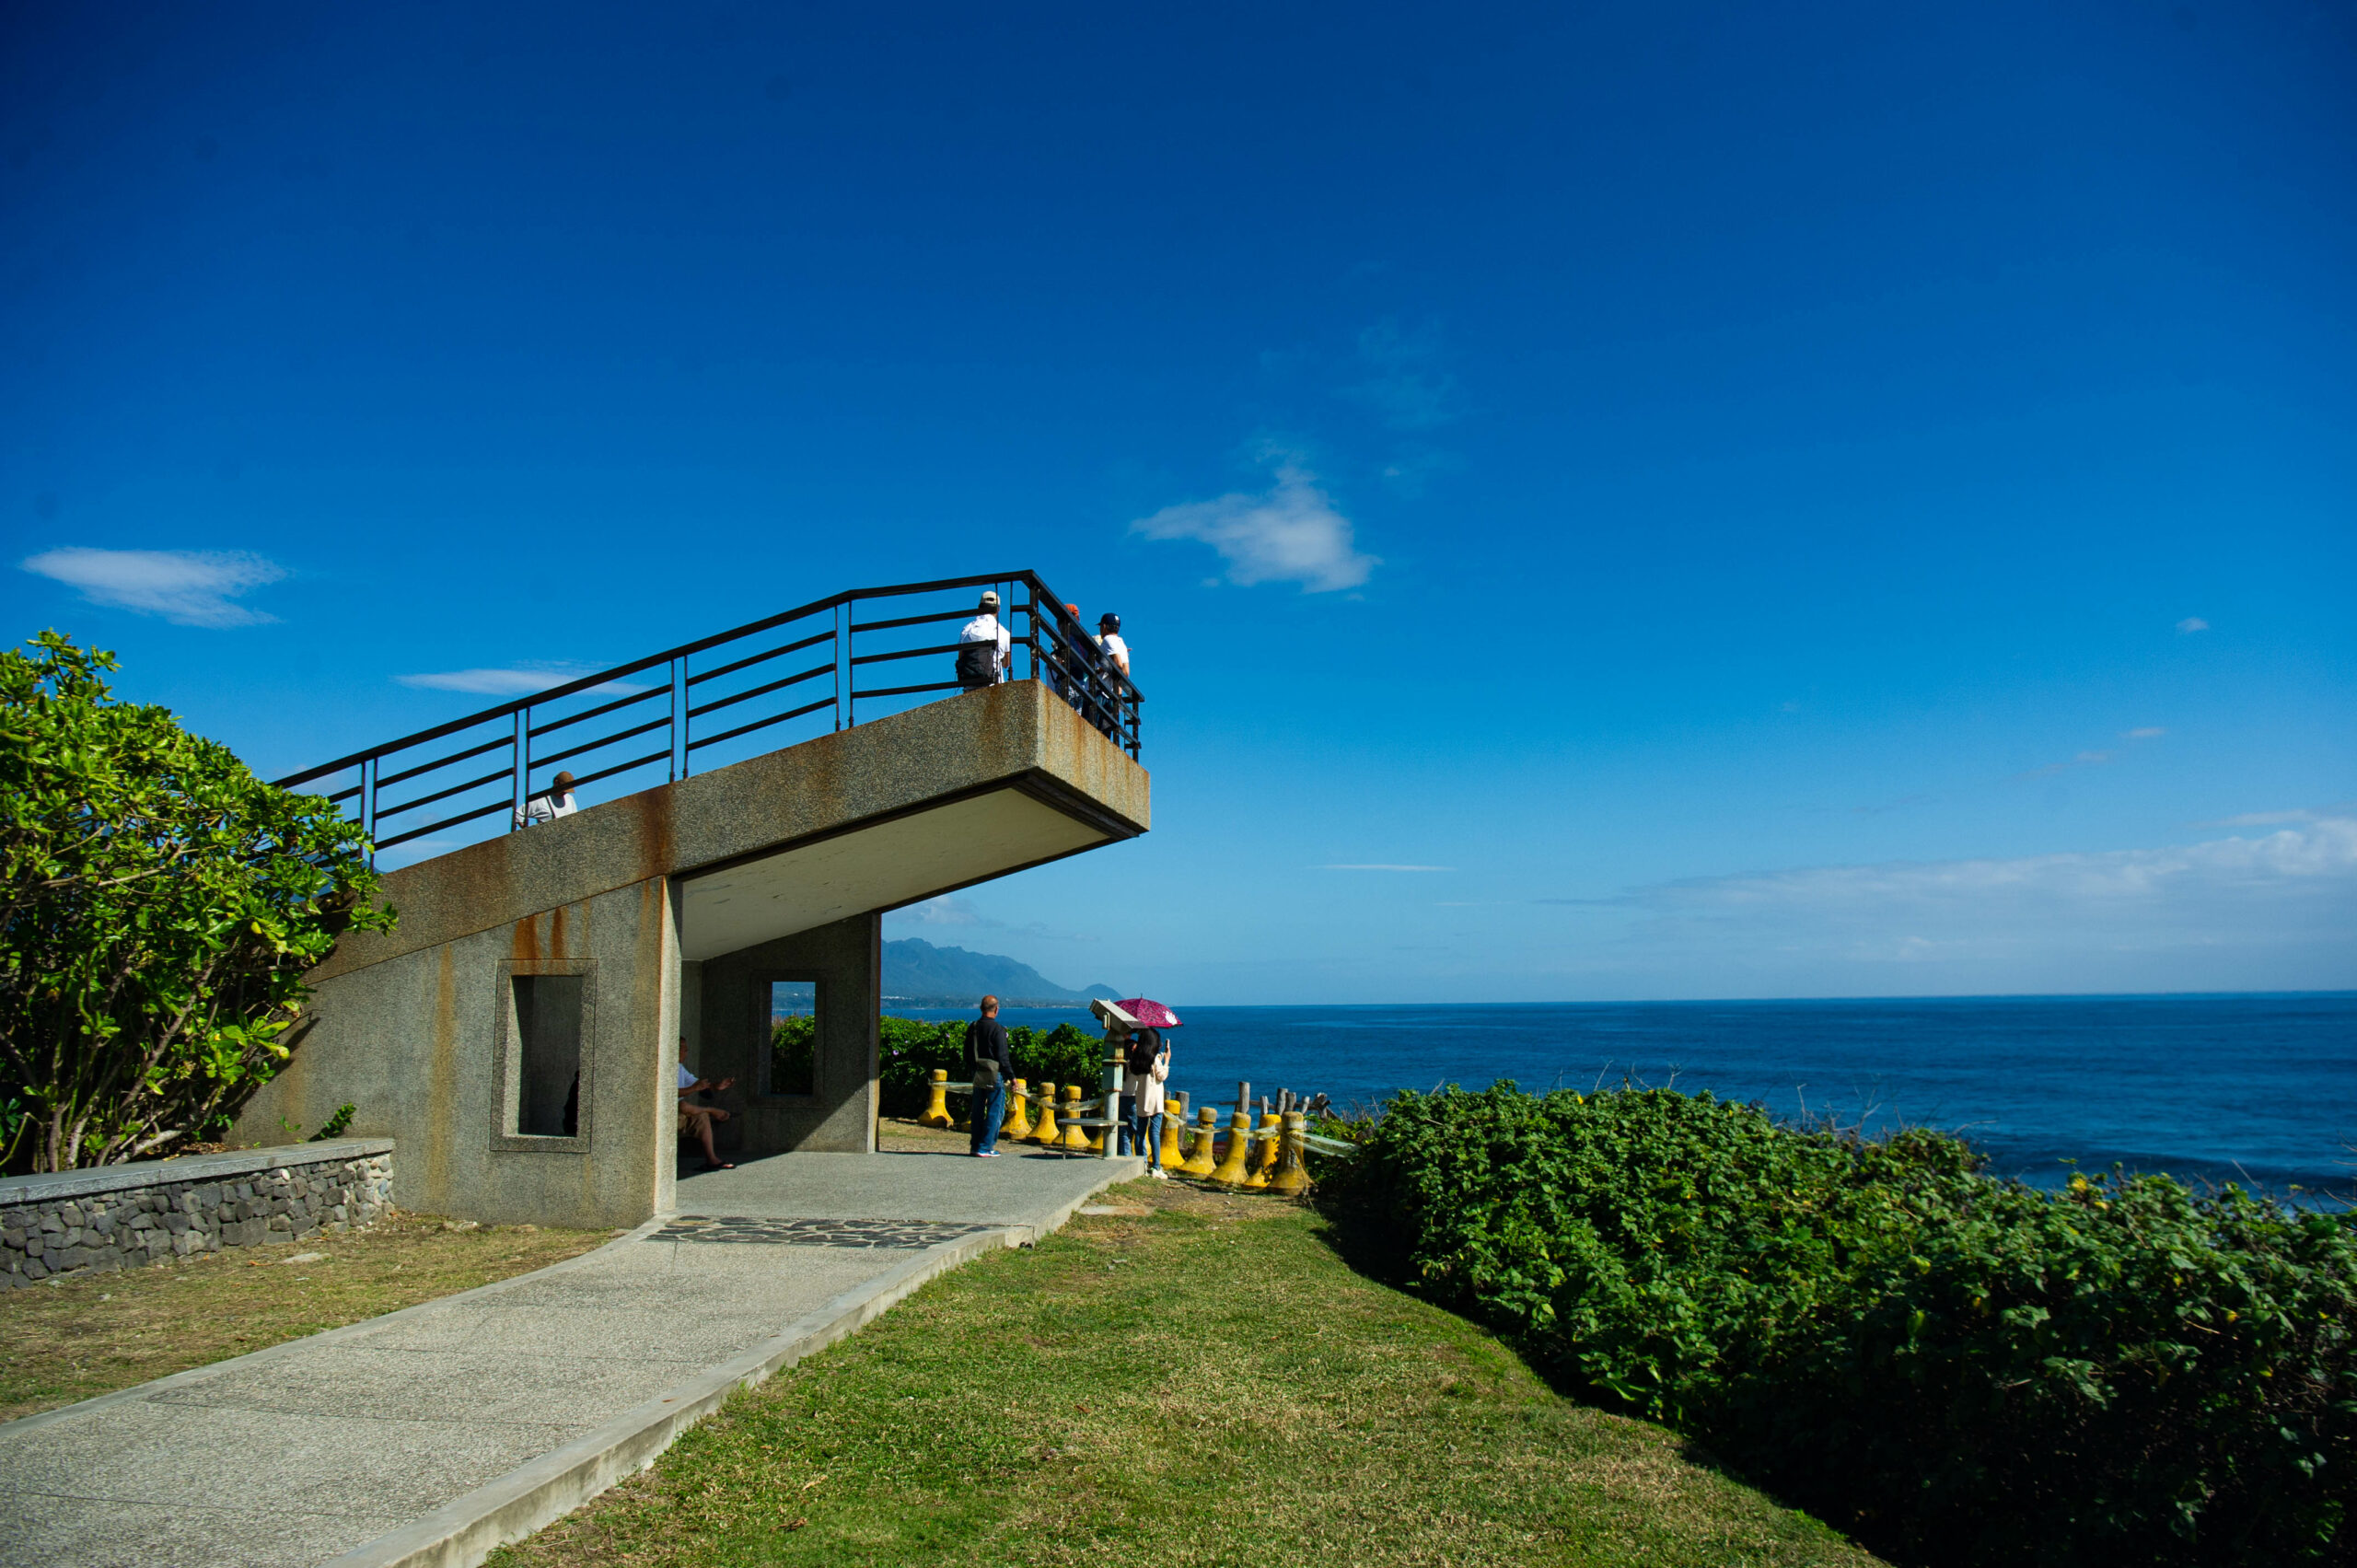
(793, 1037)
(548, 1030)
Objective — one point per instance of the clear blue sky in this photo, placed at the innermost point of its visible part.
(1769, 501)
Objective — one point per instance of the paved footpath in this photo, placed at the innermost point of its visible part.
(431, 1435)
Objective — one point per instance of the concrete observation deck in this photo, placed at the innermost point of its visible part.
(433, 1435)
(659, 925)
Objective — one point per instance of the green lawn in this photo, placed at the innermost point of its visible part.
(1204, 1382)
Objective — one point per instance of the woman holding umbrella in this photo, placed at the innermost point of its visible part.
(1146, 1060)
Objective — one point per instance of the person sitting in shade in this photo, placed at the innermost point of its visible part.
(557, 802)
(985, 647)
(698, 1119)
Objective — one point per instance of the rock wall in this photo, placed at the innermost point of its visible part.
(126, 1215)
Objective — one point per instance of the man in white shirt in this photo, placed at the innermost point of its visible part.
(1107, 715)
(1108, 637)
(558, 802)
(985, 649)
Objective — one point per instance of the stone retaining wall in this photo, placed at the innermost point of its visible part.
(124, 1215)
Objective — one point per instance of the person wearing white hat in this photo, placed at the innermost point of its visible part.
(985, 647)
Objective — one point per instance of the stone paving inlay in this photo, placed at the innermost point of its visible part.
(909, 1235)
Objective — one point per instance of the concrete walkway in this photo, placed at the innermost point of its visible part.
(431, 1435)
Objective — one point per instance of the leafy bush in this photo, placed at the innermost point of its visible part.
(1960, 1370)
(159, 908)
(909, 1050)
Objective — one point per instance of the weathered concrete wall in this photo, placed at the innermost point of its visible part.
(123, 1216)
(422, 1045)
(733, 1033)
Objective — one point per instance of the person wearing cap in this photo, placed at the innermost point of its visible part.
(985, 649)
(1114, 652)
(558, 802)
(1108, 637)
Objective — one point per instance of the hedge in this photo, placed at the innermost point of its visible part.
(1955, 1368)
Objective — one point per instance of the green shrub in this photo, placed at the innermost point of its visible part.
(910, 1049)
(1960, 1370)
(161, 905)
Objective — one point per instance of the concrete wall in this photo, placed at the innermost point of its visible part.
(424, 1046)
(733, 1032)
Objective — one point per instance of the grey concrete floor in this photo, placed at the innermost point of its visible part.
(297, 1453)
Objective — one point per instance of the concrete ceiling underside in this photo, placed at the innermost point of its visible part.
(890, 863)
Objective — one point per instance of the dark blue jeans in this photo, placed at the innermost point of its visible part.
(1140, 1136)
(988, 1110)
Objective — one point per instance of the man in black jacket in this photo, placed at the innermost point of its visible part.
(987, 1054)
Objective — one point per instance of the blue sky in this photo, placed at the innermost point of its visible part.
(1819, 500)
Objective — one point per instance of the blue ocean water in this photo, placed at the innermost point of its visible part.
(2250, 1088)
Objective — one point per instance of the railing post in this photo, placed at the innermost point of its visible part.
(520, 759)
(677, 731)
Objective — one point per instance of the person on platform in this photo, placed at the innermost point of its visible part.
(993, 1063)
(1115, 654)
(985, 647)
(558, 802)
(1146, 1066)
(697, 1120)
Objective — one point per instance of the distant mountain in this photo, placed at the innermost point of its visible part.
(918, 972)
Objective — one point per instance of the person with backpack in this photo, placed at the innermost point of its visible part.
(1146, 1063)
(993, 1063)
(985, 647)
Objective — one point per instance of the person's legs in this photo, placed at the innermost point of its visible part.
(984, 1113)
(701, 1119)
(1154, 1142)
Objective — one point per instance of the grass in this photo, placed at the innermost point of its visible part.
(78, 1337)
(1198, 1381)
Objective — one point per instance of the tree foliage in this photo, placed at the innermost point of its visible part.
(160, 907)
(1961, 1370)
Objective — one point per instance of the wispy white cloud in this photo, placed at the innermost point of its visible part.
(187, 588)
(943, 910)
(1289, 533)
(2268, 910)
(2325, 853)
(517, 680)
(2083, 759)
(2144, 731)
(1404, 383)
(1383, 868)
(2192, 624)
(951, 911)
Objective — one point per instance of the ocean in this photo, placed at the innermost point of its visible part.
(2258, 1089)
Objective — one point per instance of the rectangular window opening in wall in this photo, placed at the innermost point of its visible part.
(793, 1037)
(547, 1056)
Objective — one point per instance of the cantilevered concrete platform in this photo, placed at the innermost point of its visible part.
(433, 1435)
(667, 915)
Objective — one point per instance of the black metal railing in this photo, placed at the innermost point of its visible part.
(720, 700)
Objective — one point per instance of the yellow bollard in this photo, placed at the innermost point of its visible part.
(1017, 1125)
(1232, 1172)
(1074, 1138)
(1199, 1152)
(1044, 1131)
(936, 1113)
(1291, 1178)
(1168, 1152)
(1264, 1154)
